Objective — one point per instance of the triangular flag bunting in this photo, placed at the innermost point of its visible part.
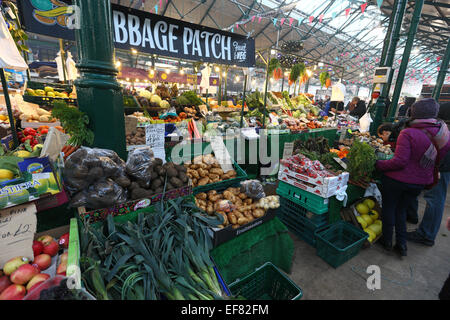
(321, 18)
(427, 59)
(237, 26)
(156, 9)
(300, 21)
(275, 21)
(363, 7)
(259, 19)
(232, 29)
(311, 18)
(160, 3)
(347, 11)
(281, 21)
(290, 21)
(334, 14)
(253, 18)
(438, 58)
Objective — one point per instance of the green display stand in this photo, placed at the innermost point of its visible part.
(353, 193)
(239, 257)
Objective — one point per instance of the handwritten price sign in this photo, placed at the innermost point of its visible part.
(17, 229)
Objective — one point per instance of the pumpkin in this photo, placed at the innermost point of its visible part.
(277, 73)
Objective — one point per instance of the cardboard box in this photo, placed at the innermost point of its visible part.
(220, 236)
(38, 180)
(323, 186)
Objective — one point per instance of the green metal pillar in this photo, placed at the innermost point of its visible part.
(405, 59)
(12, 124)
(265, 91)
(442, 72)
(391, 41)
(99, 93)
(243, 101)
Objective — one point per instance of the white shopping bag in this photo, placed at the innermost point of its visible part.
(364, 122)
(373, 191)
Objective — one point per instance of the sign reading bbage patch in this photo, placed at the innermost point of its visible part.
(146, 32)
(17, 229)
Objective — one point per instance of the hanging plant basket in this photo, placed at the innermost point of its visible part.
(287, 61)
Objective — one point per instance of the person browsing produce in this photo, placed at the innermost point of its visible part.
(385, 132)
(420, 147)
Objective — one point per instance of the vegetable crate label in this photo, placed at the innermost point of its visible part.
(41, 184)
(131, 206)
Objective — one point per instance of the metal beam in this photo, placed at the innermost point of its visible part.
(207, 11)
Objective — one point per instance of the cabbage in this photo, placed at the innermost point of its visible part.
(164, 104)
(155, 99)
(145, 93)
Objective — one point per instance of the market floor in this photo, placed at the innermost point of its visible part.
(419, 276)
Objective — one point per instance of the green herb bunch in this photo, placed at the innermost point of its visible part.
(74, 122)
(297, 71)
(323, 78)
(361, 161)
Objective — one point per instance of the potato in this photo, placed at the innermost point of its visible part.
(235, 226)
(242, 221)
(210, 209)
(203, 181)
(194, 174)
(202, 172)
(258, 213)
(225, 218)
(248, 201)
(229, 196)
(232, 218)
(213, 176)
(177, 183)
(194, 182)
(217, 171)
(242, 196)
(202, 196)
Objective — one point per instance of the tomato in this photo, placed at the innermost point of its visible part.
(44, 131)
(29, 131)
(30, 137)
(23, 140)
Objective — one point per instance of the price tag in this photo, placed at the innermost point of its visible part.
(154, 138)
(221, 153)
(288, 149)
(17, 229)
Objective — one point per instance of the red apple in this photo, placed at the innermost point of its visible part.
(42, 261)
(36, 280)
(64, 241)
(61, 270)
(13, 292)
(45, 239)
(4, 283)
(63, 257)
(13, 264)
(51, 248)
(24, 274)
(38, 248)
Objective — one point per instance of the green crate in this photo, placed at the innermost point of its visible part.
(308, 200)
(339, 242)
(241, 175)
(266, 283)
(299, 221)
(56, 86)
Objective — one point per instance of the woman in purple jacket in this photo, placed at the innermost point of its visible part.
(420, 146)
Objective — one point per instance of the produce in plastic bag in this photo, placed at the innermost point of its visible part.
(56, 288)
(104, 193)
(139, 166)
(85, 166)
(253, 189)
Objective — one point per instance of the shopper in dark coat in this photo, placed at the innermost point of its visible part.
(411, 169)
(356, 108)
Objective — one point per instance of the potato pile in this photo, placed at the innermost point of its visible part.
(206, 169)
(376, 143)
(137, 137)
(176, 178)
(236, 208)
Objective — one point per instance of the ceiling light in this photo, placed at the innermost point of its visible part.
(118, 64)
(224, 74)
(237, 78)
(309, 73)
(181, 71)
(167, 70)
(134, 51)
(320, 64)
(217, 69)
(361, 74)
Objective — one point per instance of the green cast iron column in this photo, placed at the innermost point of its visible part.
(405, 59)
(442, 72)
(99, 94)
(390, 40)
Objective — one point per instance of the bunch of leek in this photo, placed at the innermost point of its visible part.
(164, 253)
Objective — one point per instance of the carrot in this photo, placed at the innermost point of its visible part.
(70, 151)
(64, 148)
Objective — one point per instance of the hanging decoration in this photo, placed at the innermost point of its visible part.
(287, 61)
(311, 18)
(363, 7)
(347, 11)
(291, 46)
(274, 63)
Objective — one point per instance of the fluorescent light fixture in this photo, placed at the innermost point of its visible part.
(320, 64)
